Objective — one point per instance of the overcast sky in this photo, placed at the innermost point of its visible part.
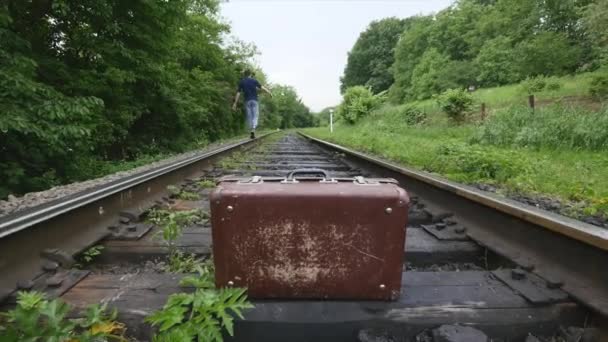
(304, 43)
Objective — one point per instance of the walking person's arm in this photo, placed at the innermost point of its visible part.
(266, 90)
(236, 100)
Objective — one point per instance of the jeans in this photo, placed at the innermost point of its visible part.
(252, 110)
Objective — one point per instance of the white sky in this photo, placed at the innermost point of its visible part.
(304, 43)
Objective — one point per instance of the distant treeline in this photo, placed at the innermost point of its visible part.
(84, 82)
(478, 43)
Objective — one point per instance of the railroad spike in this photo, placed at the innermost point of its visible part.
(25, 285)
(63, 258)
(518, 274)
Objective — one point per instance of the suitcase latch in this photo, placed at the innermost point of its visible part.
(252, 180)
(363, 181)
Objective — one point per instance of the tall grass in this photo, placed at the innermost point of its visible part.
(550, 127)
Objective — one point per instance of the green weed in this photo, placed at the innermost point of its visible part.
(188, 196)
(474, 163)
(206, 184)
(176, 192)
(38, 319)
(552, 127)
(233, 161)
(179, 262)
(202, 315)
(172, 224)
(87, 256)
(576, 177)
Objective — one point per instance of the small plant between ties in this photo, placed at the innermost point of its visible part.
(206, 184)
(89, 255)
(204, 314)
(174, 191)
(201, 315)
(172, 224)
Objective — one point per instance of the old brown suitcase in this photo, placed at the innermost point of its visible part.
(310, 238)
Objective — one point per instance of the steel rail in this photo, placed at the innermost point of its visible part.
(581, 231)
(13, 223)
(567, 253)
(72, 223)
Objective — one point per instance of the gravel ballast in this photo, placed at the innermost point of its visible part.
(15, 204)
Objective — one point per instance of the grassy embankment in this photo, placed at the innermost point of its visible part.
(560, 152)
(101, 168)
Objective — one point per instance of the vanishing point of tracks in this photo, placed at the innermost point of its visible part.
(471, 257)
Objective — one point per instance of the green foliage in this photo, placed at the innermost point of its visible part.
(553, 127)
(412, 115)
(188, 196)
(233, 161)
(470, 163)
(553, 85)
(37, 319)
(89, 255)
(206, 184)
(455, 103)
(176, 192)
(180, 262)
(495, 43)
(426, 78)
(599, 86)
(322, 118)
(547, 53)
(201, 315)
(533, 85)
(372, 55)
(596, 20)
(576, 177)
(90, 81)
(172, 224)
(358, 102)
(284, 110)
(496, 63)
(409, 50)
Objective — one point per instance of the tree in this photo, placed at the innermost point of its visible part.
(547, 53)
(496, 63)
(284, 109)
(427, 76)
(82, 82)
(40, 129)
(408, 52)
(497, 42)
(323, 117)
(596, 21)
(453, 31)
(372, 55)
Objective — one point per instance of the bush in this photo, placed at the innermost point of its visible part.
(552, 127)
(455, 103)
(553, 85)
(533, 85)
(358, 102)
(412, 115)
(599, 86)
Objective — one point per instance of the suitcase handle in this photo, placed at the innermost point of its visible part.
(292, 174)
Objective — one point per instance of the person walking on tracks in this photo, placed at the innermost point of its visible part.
(249, 87)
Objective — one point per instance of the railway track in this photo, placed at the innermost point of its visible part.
(503, 268)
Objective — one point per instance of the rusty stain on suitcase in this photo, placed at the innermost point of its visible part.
(310, 238)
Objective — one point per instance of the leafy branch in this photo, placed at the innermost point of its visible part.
(201, 315)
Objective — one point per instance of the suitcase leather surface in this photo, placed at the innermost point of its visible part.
(310, 239)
